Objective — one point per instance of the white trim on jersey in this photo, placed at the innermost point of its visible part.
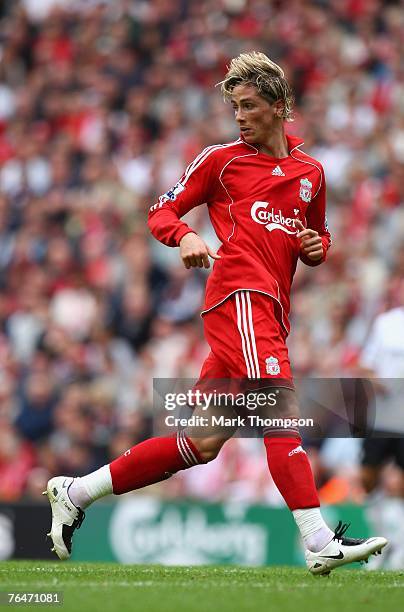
(198, 161)
(321, 180)
(204, 155)
(225, 188)
(277, 299)
(307, 162)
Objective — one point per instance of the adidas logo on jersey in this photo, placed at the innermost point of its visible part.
(277, 171)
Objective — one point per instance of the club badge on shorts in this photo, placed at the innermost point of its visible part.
(305, 190)
(272, 366)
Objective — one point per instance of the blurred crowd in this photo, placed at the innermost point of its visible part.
(102, 106)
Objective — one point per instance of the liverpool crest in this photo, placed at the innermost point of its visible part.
(305, 190)
(272, 365)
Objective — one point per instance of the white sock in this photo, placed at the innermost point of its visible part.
(85, 490)
(313, 529)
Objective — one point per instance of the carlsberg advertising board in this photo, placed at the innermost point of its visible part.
(139, 529)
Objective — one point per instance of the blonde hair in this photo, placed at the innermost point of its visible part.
(257, 69)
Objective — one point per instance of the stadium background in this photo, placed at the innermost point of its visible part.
(102, 105)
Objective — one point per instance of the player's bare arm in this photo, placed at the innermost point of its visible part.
(310, 242)
(195, 252)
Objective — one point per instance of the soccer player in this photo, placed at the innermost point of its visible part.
(266, 201)
(383, 358)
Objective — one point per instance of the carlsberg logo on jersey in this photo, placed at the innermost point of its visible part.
(273, 219)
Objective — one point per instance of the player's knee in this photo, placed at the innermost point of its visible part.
(208, 448)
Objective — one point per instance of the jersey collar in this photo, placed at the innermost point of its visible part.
(293, 142)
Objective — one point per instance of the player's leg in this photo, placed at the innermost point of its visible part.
(263, 356)
(147, 463)
(255, 349)
(291, 471)
(292, 474)
(144, 464)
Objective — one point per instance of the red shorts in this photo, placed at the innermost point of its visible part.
(246, 339)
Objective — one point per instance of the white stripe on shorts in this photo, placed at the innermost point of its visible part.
(247, 333)
(240, 329)
(251, 326)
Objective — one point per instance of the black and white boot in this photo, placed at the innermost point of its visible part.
(66, 517)
(341, 551)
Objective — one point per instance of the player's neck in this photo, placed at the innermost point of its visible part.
(276, 144)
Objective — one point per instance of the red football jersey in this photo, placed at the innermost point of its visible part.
(253, 201)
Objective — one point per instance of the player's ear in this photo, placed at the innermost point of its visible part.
(279, 107)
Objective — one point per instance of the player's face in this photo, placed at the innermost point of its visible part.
(255, 115)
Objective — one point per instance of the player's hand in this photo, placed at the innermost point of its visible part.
(310, 241)
(195, 252)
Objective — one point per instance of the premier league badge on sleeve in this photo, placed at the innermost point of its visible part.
(305, 190)
(170, 195)
(176, 190)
